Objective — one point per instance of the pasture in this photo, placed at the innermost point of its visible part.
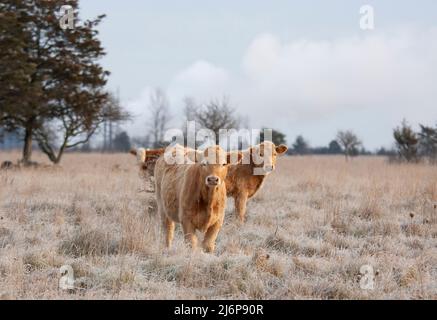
(314, 224)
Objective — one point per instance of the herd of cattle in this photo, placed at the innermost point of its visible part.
(194, 193)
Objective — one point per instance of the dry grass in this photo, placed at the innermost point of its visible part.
(310, 229)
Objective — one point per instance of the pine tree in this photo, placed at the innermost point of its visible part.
(406, 142)
(300, 146)
(277, 137)
(428, 143)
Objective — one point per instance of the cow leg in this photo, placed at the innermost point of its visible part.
(169, 227)
(240, 205)
(211, 236)
(167, 224)
(190, 233)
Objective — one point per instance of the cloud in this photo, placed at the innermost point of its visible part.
(201, 80)
(373, 79)
(308, 79)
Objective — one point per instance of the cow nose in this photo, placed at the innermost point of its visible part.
(212, 180)
(268, 168)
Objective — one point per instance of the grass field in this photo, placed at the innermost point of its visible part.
(316, 221)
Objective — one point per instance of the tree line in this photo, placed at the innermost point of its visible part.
(216, 114)
(53, 95)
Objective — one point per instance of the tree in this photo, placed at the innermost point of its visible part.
(214, 115)
(76, 126)
(385, 152)
(52, 84)
(277, 137)
(406, 142)
(122, 142)
(349, 142)
(22, 70)
(300, 146)
(334, 147)
(159, 111)
(428, 143)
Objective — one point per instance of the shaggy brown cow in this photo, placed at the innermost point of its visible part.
(193, 195)
(245, 179)
(147, 158)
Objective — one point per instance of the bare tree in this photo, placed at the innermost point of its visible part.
(190, 109)
(75, 125)
(159, 109)
(215, 115)
(349, 141)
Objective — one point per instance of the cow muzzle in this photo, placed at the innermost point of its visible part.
(212, 181)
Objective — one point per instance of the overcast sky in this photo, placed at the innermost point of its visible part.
(301, 67)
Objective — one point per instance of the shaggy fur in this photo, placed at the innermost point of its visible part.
(241, 182)
(147, 159)
(185, 196)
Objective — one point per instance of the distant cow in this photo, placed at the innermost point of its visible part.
(7, 165)
(245, 179)
(146, 158)
(193, 195)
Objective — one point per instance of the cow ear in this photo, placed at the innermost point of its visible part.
(281, 149)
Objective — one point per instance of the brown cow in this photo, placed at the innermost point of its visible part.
(245, 179)
(147, 158)
(193, 195)
(241, 182)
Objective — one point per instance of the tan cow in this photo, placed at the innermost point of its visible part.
(245, 179)
(193, 195)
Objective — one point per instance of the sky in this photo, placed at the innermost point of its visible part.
(299, 67)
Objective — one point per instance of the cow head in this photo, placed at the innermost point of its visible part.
(264, 155)
(214, 162)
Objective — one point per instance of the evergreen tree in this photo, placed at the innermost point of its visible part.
(277, 137)
(334, 147)
(52, 85)
(406, 142)
(300, 146)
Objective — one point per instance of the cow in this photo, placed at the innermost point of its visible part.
(146, 158)
(245, 179)
(6, 165)
(193, 195)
